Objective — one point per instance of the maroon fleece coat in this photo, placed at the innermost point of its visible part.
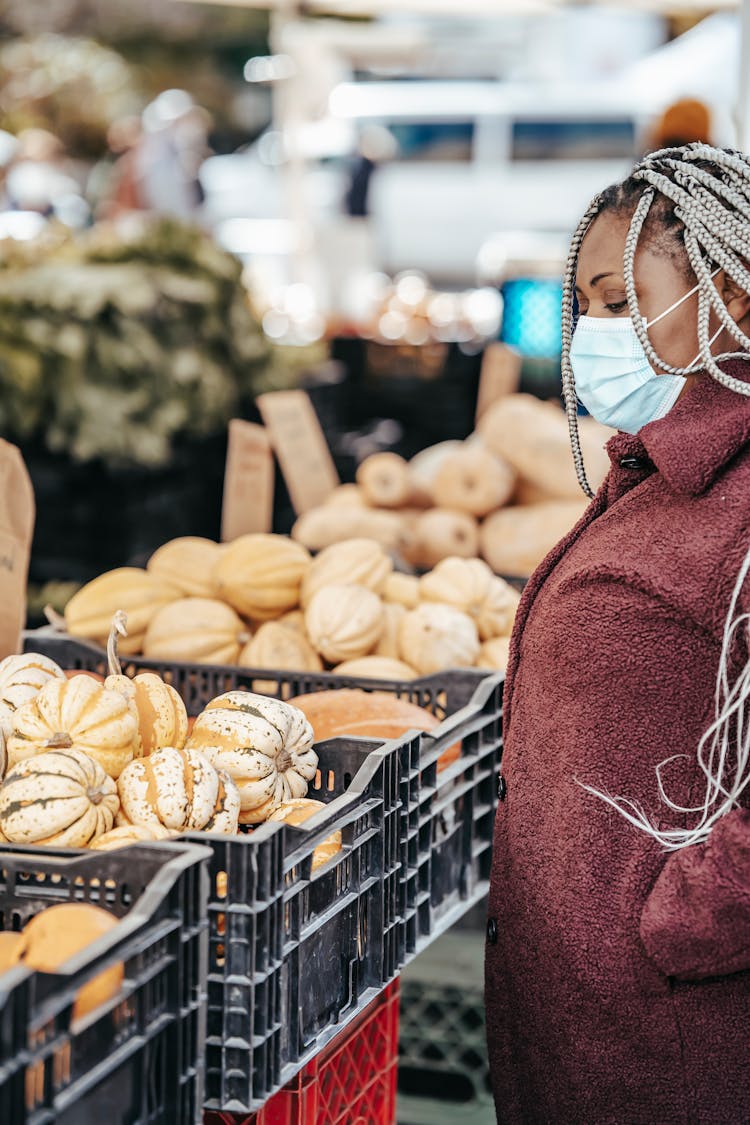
(618, 974)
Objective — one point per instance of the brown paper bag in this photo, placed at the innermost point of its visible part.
(16, 529)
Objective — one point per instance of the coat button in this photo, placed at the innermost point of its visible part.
(502, 788)
(634, 463)
(492, 931)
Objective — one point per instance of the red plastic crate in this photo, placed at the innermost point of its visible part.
(351, 1082)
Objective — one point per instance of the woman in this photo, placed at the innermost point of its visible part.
(618, 938)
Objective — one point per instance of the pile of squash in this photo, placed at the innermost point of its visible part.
(262, 601)
(92, 763)
(508, 493)
(87, 762)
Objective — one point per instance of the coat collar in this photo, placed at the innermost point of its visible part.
(697, 438)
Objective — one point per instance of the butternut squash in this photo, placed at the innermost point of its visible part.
(473, 480)
(515, 540)
(385, 480)
(533, 437)
(440, 532)
(331, 523)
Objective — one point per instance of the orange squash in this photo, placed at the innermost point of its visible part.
(57, 934)
(356, 713)
(10, 950)
(297, 811)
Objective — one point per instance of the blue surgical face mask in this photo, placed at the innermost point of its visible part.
(614, 379)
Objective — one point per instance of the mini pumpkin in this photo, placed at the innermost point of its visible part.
(139, 593)
(21, 677)
(493, 654)
(63, 798)
(471, 586)
(187, 564)
(78, 714)
(180, 790)
(201, 630)
(265, 745)
(126, 834)
(280, 646)
(401, 589)
(388, 643)
(361, 562)
(297, 811)
(162, 718)
(433, 637)
(377, 668)
(260, 575)
(344, 622)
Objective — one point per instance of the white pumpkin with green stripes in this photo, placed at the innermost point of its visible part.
(180, 790)
(265, 745)
(61, 797)
(21, 677)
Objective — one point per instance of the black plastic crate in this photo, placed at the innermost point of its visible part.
(296, 955)
(448, 815)
(138, 1059)
(444, 831)
(452, 812)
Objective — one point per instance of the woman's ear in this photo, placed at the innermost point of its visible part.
(736, 299)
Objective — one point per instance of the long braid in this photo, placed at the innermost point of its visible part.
(701, 197)
(568, 381)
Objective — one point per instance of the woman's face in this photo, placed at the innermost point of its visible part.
(659, 282)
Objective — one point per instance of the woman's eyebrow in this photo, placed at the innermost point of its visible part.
(595, 280)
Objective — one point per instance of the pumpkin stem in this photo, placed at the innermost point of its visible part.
(119, 626)
(59, 741)
(55, 619)
(283, 761)
(95, 796)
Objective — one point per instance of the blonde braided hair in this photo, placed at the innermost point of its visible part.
(700, 198)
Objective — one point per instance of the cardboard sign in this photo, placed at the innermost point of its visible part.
(499, 375)
(17, 513)
(248, 481)
(300, 445)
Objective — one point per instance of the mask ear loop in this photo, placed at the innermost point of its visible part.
(676, 304)
(696, 364)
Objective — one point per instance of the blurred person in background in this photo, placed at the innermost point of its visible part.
(169, 152)
(113, 183)
(375, 146)
(685, 121)
(42, 178)
(8, 150)
(618, 934)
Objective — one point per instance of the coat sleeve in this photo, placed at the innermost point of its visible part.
(696, 920)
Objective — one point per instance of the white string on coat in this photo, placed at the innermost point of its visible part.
(723, 750)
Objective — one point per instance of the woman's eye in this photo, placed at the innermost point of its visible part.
(616, 306)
